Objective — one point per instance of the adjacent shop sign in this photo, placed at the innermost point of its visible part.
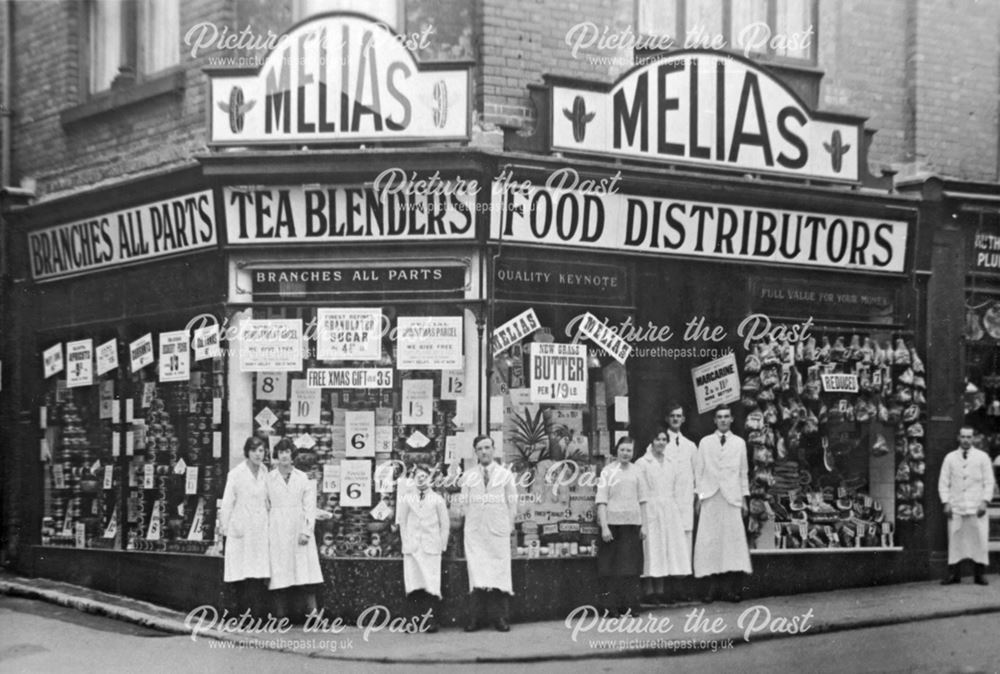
(271, 345)
(840, 383)
(679, 228)
(349, 377)
(708, 109)
(339, 78)
(340, 281)
(179, 225)
(605, 337)
(349, 334)
(302, 215)
(514, 330)
(519, 277)
(558, 373)
(80, 370)
(985, 253)
(716, 383)
(429, 343)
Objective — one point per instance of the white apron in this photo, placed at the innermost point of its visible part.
(293, 512)
(721, 543)
(423, 529)
(489, 517)
(243, 518)
(968, 538)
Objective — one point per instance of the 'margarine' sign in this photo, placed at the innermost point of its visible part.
(707, 108)
(339, 78)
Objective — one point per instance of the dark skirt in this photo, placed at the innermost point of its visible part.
(623, 555)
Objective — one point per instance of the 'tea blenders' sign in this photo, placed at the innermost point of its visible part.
(710, 109)
(339, 78)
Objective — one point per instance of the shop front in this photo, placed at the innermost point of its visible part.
(382, 308)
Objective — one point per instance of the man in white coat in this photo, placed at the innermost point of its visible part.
(490, 499)
(966, 487)
(722, 478)
(423, 522)
(681, 452)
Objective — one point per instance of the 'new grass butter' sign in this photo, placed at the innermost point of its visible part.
(710, 109)
(179, 225)
(339, 78)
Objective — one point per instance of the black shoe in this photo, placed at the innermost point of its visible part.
(650, 600)
(472, 626)
(734, 597)
(951, 580)
(981, 581)
(708, 599)
(432, 627)
(664, 600)
(501, 625)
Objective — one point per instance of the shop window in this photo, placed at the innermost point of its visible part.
(134, 458)
(388, 12)
(398, 416)
(982, 373)
(128, 41)
(782, 29)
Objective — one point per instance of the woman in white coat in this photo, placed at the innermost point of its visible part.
(243, 518)
(294, 557)
(423, 522)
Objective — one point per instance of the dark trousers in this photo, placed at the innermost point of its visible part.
(419, 603)
(725, 585)
(251, 595)
(618, 594)
(495, 604)
(955, 570)
(294, 603)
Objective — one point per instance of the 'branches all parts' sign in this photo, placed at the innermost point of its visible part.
(716, 383)
(558, 373)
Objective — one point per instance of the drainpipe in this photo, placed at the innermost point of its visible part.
(5, 111)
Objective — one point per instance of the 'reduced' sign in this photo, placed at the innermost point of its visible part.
(709, 109)
(178, 225)
(278, 215)
(340, 78)
(675, 227)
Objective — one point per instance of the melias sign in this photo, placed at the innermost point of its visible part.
(706, 108)
(339, 78)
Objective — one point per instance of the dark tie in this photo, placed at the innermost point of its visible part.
(722, 439)
(677, 440)
(486, 477)
(965, 454)
(423, 493)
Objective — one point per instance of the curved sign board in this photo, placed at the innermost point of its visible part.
(339, 78)
(709, 109)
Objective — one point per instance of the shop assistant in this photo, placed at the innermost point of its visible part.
(721, 478)
(966, 487)
(423, 522)
(490, 500)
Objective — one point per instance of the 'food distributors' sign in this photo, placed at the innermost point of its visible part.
(676, 227)
(177, 225)
(339, 78)
(709, 109)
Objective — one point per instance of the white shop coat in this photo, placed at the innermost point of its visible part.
(966, 483)
(666, 550)
(293, 512)
(243, 518)
(681, 452)
(423, 528)
(489, 520)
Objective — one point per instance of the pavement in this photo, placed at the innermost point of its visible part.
(672, 630)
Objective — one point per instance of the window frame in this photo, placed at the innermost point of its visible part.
(680, 31)
(132, 51)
